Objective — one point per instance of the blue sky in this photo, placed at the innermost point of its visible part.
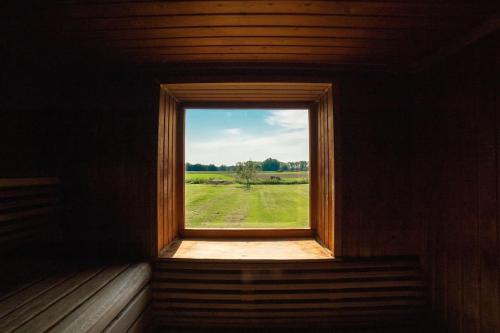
(227, 136)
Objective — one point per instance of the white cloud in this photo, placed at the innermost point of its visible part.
(289, 119)
(285, 146)
(288, 142)
(231, 131)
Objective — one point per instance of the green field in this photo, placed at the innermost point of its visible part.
(280, 205)
(289, 177)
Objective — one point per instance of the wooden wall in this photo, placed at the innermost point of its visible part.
(170, 206)
(373, 161)
(109, 162)
(27, 134)
(111, 147)
(100, 131)
(323, 177)
(28, 145)
(456, 186)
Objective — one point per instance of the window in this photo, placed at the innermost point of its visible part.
(177, 104)
(246, 168)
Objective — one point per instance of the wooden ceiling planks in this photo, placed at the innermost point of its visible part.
(360, 33)
(248, 92)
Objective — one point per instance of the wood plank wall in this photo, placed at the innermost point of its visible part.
(108, 162)
(101, 131)
(28, 137)
(374, 164)
(29, 190)
(29, 212)
(114, 129)
(287, 294)
(323, 209)
(170, 205)
(456, 186)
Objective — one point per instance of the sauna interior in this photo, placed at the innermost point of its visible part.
(404, 105)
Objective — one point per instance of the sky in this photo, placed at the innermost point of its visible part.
(228, 136)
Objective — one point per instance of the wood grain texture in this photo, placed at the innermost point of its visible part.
(29, 211)
(109, 297)
(111, 183)
(191, 31)
(51, 316)
(323, 199)
(170, 201)
(456, 185)
(116, 133)
(245, 248)
(261, 293)
(95, 314)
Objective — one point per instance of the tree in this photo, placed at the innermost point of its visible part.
(283, 166)
(212, 167)
(246, 171)
(270, 164)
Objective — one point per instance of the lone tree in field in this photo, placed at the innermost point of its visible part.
(247, 171)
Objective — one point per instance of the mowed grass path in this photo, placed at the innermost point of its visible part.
(234, 206)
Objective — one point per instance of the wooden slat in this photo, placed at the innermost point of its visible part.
(28, 202)
(283, 275)
(290, 286)
(173, 87)
(15, 301)
(131, 313)
(262, 265)
(245, 94)
(377, 8)
(272, 57)
(285, 20)
(19, 192)
(396, 320)
(160, 173)
(264, 293)
(22, 182)
(167, 200)
(264, 49)
(251, 41)
(50, 317)
(29, 310)
(105, 305)
(143, 323)
(27, 213)
(320, 296)
(198, 32)
(310, 306)
(8, 292)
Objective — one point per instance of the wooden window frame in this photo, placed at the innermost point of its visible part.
(323, 218)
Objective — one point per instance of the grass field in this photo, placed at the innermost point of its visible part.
(281, 205)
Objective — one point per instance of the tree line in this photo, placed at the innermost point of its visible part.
(269, 164)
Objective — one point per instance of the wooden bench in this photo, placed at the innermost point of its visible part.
(111, 298)
(44, 287)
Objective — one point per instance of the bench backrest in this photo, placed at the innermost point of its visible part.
(29, 211)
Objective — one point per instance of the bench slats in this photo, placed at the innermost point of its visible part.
(31, 309)
(95, 314)
(133, 311)
(66, 305)
(141, 324)
(111, 298)
(14, 301)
